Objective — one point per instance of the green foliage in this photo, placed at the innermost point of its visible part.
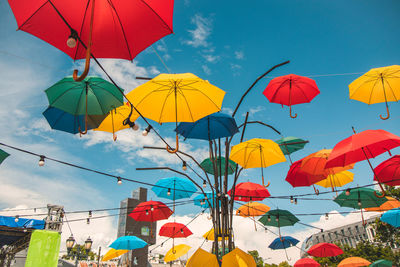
(366, 250)
(284, 264)
(259, 261)
(83, 255)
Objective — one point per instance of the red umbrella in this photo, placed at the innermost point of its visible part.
(297, 177)
(362, 146)
(291, 90)
(150, 211)
(110, 29)
(389, 171)
(175, 230)
(249, 191)
(325, 250)
(306, 262)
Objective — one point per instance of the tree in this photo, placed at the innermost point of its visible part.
(83, 254)
(259, 261)
(366, 250)
(284, 264)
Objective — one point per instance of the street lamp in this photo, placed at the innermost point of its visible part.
(70, 242)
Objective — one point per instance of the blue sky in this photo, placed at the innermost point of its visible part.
(229, 43)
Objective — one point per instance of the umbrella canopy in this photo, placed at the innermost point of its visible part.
(150, 211)
(257, 153)
(209, 235)
(3, 155)
(376, 86)
(354, 262)
(249, 191)
(283, 242)
(291, 90)
(174, 230)
(297, 177)
(392, 203)
(202, 258)
(120, 30)
(252, 209)
(359, 198)
(361, 146)
(214, 126)
(115, 119)
(112, 253)
(278, 218)
(66, 122)
(175, 252)
(238, 258)
(392, 217)
(208, 166)
(389, 171)
(128, 243)
(306, 262)
(382, 263)
(291, 144)
(201, 201)
(337, 180)
(174, 188)
(325, 250)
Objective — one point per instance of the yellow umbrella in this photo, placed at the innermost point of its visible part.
(257, 153)
(202, 258)
(337, 180)
(392, 203)
(114, 122)
(209, 235)
(238, 258)
(176, 98)
(112, 253)
(377, 86)
(175, 252)
(354, 262)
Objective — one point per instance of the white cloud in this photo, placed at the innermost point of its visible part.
(206, 69)
(235, 66)
(227, 110)
(254, 110)
(239, 55)
(211, 58)
(202, 31)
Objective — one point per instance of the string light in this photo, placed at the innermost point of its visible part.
(226, 195)
(204, 184)
(359, 203)
(295, 201)
(184, 166)
(34, 210)
(147, 212)
(152, 208)
(135, 127)
(326, 216)
(181, 231)
(71, 41)
(87, 221)
(348, 192)
(269, 218)
(16, 218)
(41, 161)
(277, 218)
(119, 182)
(169, 192)
(147, 130)
(90, 214)
(291, 199)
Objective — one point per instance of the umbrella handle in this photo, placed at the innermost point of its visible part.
(268, 184)
(88, 52)
(316, 190)
(172, 151)
(383, 193)
(114, 137)
(290, 113)
(388, 113)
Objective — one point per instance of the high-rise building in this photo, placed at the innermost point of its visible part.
(143, 230)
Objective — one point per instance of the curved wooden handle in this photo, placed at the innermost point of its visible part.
(114, 137)
(316, 190)
(268, 184)
(290, 113)
(383, 192)
(387, 116)
(176, 148)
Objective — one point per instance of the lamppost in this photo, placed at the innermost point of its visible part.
(70, 242)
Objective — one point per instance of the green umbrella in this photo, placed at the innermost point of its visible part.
(3, 155)
(382, 263)
(207, 165)
(291, 144)
(360, 198)
(92, 96)
(278, 218)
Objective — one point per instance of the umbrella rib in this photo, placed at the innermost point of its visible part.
(194, 89)
(163, 105)
(391, 89)
(37, 10)
(186, 101)
(101, 88)
(80, 32)
(158, 16)
(64, 93)
(122, 28)
(277, 89)
(373, 79)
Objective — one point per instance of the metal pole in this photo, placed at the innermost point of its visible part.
(98, 257)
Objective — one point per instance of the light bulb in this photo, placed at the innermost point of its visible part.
(240, 198)
(135, 127)
(16, 218)
(184, 167)
(90, 213)
(226, 195)
(162, 244)
(181, 231)
(119, 181)
(147, 212)
(87, 221)
(34, 210)
(291, 199)
(277, 219)
(169, 192)
(145, 133)
(269, 218)
(41, 161)
(152, 208)
(204, 184)
(295, 201)
(238, 211)
(359, 203)
(326, 216)
(71, 42)
(348, 192)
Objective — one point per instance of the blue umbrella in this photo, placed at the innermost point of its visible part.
(283, 242)
(211, 127)
(392, 217)
(128, 242)
(174, 188)
(63, 121)
(200, 200)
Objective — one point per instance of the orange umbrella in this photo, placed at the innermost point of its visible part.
(252, 209)
(354, 262)
(392, 203)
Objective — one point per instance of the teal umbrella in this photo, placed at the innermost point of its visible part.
(92, 96)
(382, 263)
(207, 165)
(291, 144)
(3, 155)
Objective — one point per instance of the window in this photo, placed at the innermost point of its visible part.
(357, 229)
(330, 236)
(372, 232)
